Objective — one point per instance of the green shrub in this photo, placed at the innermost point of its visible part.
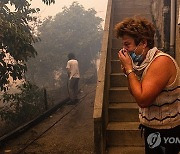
(23, 106)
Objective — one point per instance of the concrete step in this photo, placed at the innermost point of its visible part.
(116, 66)
(124, 112)
(114, 53)
(127, 9)
(119, 15)
(124, 134)
(119, 18)
(118, 80)
(116, 43)
(126, 150)
(120, 94)
(131, 3)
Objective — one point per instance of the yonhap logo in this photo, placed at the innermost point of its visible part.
(154, 140)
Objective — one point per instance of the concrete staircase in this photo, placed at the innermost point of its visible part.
(122, 133)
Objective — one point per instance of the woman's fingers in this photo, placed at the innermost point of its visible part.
(119, 53)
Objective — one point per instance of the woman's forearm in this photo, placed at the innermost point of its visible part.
(136, 88)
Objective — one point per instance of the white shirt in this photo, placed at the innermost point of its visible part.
(73, 68)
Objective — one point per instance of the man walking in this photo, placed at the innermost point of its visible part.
(74, 76)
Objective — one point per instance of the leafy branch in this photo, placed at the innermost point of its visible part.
(16, 38)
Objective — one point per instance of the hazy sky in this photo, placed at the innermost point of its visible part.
(99, 5)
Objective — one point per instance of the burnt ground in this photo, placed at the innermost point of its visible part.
(73, 134)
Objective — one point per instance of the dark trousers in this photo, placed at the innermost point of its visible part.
(73, 88)
(162, 141)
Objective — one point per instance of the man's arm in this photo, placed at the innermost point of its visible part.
(68, 69)
(68, 72)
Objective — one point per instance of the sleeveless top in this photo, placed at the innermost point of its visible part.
(164, 112)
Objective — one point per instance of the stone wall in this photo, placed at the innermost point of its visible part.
(177, 53)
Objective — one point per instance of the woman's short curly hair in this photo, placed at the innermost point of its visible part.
(137, 27)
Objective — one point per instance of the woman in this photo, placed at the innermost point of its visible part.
(153, 78)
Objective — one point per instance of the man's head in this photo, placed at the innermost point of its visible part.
(71, 56)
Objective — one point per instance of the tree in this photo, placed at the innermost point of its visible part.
(73, 30)
(16, 39)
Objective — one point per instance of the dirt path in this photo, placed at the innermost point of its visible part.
(72, 135)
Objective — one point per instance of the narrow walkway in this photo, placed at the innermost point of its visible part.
(72, 135)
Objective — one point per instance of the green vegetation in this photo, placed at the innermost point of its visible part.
(16, 38)
(73, 30)
(23, 106)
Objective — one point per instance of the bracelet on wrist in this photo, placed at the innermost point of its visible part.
(129, 72)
